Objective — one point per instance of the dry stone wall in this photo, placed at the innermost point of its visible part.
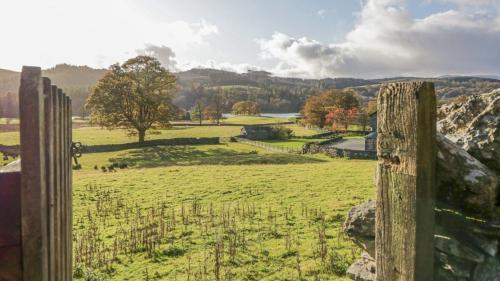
(467, 237)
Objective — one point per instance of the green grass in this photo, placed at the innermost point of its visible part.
(291, 143)
(293, 197)
(301, 130)
(94, 136)
(268, 209)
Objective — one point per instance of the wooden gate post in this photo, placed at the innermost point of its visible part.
(33, 184)
(406, 145)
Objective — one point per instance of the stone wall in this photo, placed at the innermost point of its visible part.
(467, 234)
(327, 148)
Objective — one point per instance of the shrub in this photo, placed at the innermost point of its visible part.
(282, 132)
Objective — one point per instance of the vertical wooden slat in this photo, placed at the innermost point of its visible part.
(49, 173)
(64, 171)
(33, 184)
(60, 164)
(406, 148)
(57, 182)
(70, 193)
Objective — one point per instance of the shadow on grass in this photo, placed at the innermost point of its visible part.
(190, 155)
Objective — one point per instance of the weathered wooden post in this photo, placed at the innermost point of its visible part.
(33, 176)
(35, 194)
(406, 148)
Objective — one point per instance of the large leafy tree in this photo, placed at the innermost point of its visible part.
(318, 107)
(245, 108)
(136, 95)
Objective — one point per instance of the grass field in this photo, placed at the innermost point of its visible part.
(94, 135)
(240, 211)
(211, 212)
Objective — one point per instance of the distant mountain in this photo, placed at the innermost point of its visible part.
(274, 94)
(486, 77)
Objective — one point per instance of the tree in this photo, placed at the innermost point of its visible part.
(136, 95)
(197, 112)
(315, 111)
(341, 117)
(245, 108)
(216, 107)
(318, 107)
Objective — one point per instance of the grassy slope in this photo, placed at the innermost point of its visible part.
(92, 135)
(226, 176)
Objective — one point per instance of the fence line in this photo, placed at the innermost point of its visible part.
(268, 146)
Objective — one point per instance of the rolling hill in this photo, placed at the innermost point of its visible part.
(274, 94)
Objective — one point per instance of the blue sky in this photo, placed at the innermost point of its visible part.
(320, 38)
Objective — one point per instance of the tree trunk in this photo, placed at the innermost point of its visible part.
(142, 135)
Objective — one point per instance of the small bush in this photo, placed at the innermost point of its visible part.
(337, 264)
(282, 132)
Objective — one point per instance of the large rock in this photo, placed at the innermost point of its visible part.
(475, 125)
(363, 269)
(470, 255)
(454, 118)
(360, 226)
(464, 183)
(482, 138)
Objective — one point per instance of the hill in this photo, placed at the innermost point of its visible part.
(274, 94)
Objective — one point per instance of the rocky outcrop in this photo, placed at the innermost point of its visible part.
(466, 248)
(482, 139)
(474, 125)
(361, 226)
(363, 269)
(459, 255)
(464, 183)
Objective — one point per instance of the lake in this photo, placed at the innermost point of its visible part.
(274, 115)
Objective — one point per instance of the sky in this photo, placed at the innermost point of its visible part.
(297, 38)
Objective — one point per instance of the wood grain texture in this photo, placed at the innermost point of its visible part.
(33, 183)
(49, 173)
(69, 188)
(64, 227)
(406, 167)
(58, 183)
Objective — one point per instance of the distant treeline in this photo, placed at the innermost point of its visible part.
(272, 94)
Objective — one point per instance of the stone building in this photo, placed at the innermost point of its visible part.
(257, 132)
(371, 139)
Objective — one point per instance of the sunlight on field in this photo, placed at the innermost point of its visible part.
(164, 212)
(266, 208)
(93, 135)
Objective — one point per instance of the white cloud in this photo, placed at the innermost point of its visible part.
(93, 32)
(227, 66)
(163, 53)
(387, 41)
(321, 12)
